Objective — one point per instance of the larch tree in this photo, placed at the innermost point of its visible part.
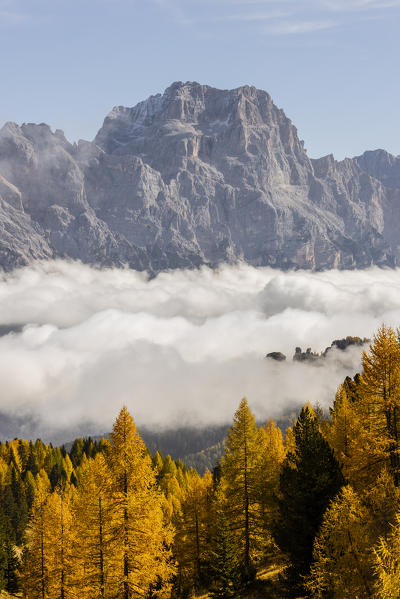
(142, 539)
(241, 484)
(340, 429)
(272, 454)
(387, 564)
(35, 568)
(343, 561)
(92, 515)
(380, 405)
(47, 561)
(59, 543)
(355, 523)
(192, 531)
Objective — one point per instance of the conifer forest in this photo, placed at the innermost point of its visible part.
(312, 511)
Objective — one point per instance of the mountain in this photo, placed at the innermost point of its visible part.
(194, 176)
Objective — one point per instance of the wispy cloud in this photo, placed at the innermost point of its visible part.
(257, 16)
(299, 27)
(286, 16)
(302, 5)
(358, 5)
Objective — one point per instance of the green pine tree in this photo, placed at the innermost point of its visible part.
(309, 480)
(225, 567)
(8, 557)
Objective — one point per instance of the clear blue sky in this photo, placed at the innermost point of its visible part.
(332, 65)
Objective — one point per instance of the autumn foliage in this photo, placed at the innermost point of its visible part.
(108, 521)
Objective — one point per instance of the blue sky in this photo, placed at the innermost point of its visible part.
(332, 65)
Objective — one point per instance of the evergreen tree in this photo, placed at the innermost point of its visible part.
(14, 504)
(35, 569)
(32, 463)
(224, 562)
(309, 480)
(8, 557)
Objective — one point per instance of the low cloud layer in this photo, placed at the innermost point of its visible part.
(181, 348)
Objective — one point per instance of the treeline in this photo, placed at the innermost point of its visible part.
(23, 466)
(107, 520)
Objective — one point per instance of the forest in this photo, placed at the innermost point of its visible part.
(310, 512)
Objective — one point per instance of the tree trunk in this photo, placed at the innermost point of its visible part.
(62, 590)
(126, 539)
(197, 548)
(42, 553)
(246, 512)
(102, 590)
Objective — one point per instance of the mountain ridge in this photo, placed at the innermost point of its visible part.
(194, 176)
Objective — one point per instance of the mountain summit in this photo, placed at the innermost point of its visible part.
(194, 176)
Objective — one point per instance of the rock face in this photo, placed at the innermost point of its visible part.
(194, 176)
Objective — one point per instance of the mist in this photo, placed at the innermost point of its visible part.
(180, 349)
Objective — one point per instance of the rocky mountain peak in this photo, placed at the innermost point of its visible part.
(381, 165)
(195, 175)
(192, 121)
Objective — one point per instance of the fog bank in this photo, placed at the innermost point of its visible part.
(183, 347)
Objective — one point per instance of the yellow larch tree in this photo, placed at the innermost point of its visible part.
(167, 476)
(380, 405)
(240, 482)
(60, 543)
(348, 434)
(92, 516)
(342, 557)
(365, 425)
(192, 539)
(387, 564)
(340, 431)
(142, 539)
(272, 454)
(46, 570)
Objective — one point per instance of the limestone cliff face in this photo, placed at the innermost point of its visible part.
(194, 176)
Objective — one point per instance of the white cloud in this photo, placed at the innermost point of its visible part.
(288, 16)
(184, 346)
(257, 16)
(298, 27)
(357, 5)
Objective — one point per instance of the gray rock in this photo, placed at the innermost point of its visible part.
(194, 176)
(277, 356)
(307, 356)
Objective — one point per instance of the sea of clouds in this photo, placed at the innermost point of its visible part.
(181, 348)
